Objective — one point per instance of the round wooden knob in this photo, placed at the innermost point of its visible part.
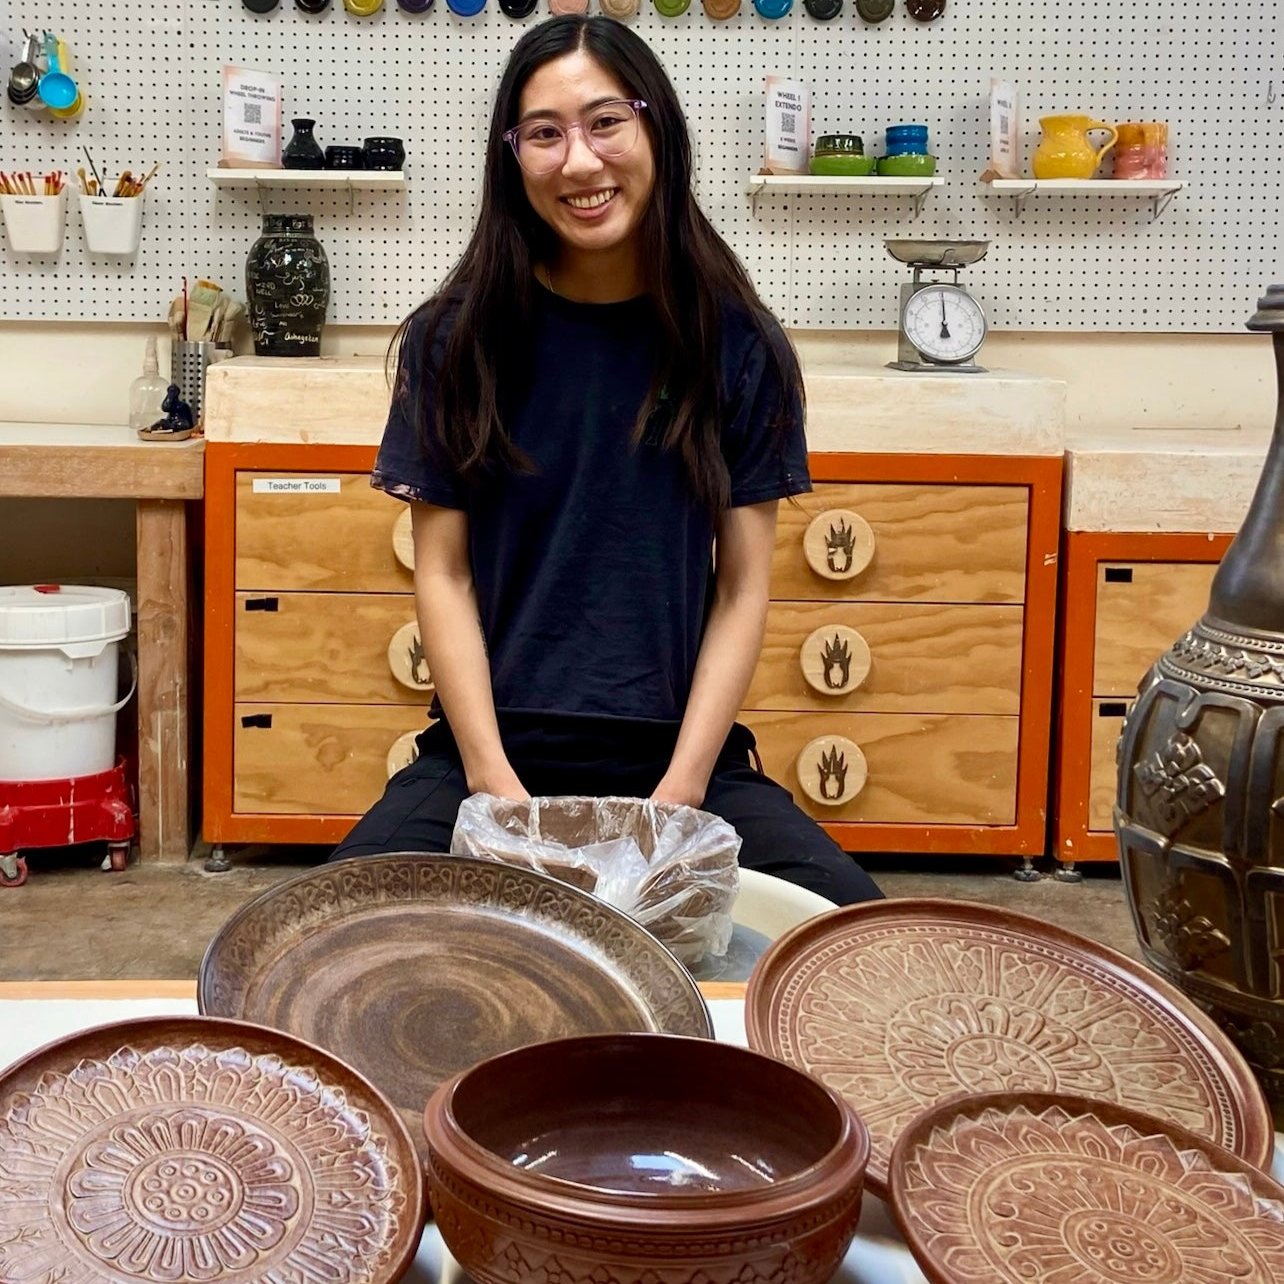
(835, 660)
(403, 541)
(832, 770)
(403, 752)
(406, 658)
(839, 544)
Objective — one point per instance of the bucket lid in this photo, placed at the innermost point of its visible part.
(34, 615)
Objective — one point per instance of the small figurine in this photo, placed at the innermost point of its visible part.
(177, 424)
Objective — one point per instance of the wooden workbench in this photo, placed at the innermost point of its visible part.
(106, 461)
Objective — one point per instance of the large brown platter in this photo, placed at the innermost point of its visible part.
(1009, 1188)
(187, 1149)
(413, 967)
(901, 1004)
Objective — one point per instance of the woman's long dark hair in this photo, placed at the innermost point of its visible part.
(692, 276)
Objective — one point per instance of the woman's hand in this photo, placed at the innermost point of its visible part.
(501, 782)
(674, 789)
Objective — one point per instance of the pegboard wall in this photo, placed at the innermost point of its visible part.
(1212, 70)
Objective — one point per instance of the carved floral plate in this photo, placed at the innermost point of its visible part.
(900, 1004)
(184, 1149)
(1009, 1188)
(413, 967)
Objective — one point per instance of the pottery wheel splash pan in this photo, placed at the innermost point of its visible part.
(900, 1004)
(413, 967)
(177, 1148)
(1014, 1187)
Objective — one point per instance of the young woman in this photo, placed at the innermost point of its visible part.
(594, 396)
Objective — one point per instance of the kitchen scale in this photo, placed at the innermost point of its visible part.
(942, 327)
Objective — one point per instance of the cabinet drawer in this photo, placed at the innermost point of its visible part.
(1107, 726)
(328, 647)
(333, 540)
(1142, 609)
(921, 769)
(927, 658)
(916, 543)
(322, 759)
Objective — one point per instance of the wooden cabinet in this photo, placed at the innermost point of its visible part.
(1128, 597)
(903, 691)
(901, 694)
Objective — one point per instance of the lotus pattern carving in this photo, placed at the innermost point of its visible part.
(191, 1164)
(1013, 1196)
(906, 1016)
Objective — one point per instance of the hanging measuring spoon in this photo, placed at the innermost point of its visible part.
(56, 88)
(823, 10)
(772, 9)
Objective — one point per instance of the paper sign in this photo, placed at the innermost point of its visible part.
(295, 485)
(788, 126)
(251, 119)
(1004, 157)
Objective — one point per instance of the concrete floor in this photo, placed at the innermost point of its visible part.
(72, 921)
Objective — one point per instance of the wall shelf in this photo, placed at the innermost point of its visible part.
(818, 185)
(362, 180)
(1159, 190)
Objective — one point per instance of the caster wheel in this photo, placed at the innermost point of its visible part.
(118, 856)
(13, 871)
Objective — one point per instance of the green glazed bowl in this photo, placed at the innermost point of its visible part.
(843, 166)
(907, 166)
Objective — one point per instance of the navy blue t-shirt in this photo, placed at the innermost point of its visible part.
(594, 571)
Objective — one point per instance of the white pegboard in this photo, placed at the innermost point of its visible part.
(152, 73)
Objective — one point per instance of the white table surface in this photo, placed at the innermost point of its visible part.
(877, 1256)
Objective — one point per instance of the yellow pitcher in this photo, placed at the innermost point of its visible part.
(1065, 152)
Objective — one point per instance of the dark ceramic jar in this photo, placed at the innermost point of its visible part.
(303, 151)
(287, 285)
(344, 158)
(384, 153)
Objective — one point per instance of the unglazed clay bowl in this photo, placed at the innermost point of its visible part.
(614, 1157)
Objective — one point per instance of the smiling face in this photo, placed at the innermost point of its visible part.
(593, 204)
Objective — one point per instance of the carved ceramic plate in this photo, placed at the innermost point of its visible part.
(413, 967)
(900, 1004)
(1008, 1188)
(185, 1149)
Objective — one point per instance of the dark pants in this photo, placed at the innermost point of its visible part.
(596, 758)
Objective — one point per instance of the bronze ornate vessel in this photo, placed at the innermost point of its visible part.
(1200, 807)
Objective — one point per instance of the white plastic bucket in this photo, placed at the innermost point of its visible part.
(59, 655)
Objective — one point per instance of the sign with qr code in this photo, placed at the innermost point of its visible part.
(1005, 158)
(251, 119)
(788, 126)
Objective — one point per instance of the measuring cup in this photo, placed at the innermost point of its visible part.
(57, 89)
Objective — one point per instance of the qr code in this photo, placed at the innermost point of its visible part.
(253, 113)
(787, 124)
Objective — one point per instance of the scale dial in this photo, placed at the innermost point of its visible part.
(945, 323)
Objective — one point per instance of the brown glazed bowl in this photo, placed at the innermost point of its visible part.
(622, 1158)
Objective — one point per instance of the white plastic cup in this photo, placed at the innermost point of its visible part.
(113, 224)
(35, 224)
